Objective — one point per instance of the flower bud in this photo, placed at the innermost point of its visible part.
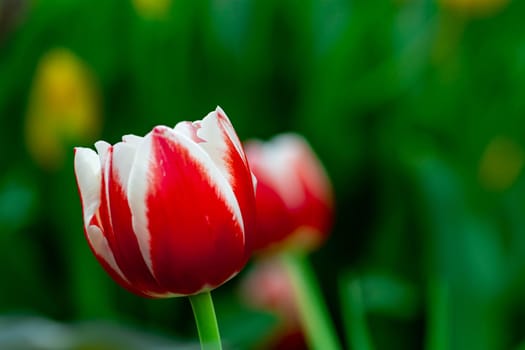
(294, 195)
(170, 213)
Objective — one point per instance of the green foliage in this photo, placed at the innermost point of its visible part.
(416, 110)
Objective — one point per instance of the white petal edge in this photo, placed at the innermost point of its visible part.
(254, 182)
(102, 148)
(123, 157)
(216, 176)
(137, 188)
(139, 182)
(228, 126)
(186, 128)
(87, 171)
(132, 139)
(278, 158)
(100, 246)
(214, 143)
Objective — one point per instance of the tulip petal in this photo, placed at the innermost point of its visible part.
(89, 180)
(102, 148)
(216, 136)
(211, 166)
(279, 158)
(87, 171)
(271, 205)
(122, 160)
(138, 183)
(293, 194)
(181, 196)
(102, 251)
(230, 131)
(125, 245)
(220, 140)
(132, 139)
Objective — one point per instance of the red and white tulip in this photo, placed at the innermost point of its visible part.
(170, 213)
(294, 194)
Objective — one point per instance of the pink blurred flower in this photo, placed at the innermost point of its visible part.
(294, 194)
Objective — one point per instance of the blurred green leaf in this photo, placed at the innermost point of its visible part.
(354, 314)
(240, 326)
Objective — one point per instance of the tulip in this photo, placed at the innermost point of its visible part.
(170, 213)
(294, 215)
(294, 195)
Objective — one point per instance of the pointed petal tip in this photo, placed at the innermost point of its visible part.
(219, 110)
(102, 147)
(160, 129)
(221, 114)
(131, 138)
(84, 155)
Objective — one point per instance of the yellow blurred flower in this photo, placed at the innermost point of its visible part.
(501, 164)
(152, 8)
(474, 7)
(64, 108)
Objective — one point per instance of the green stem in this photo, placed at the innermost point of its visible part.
(354, 315)
(204, 313)
(437, 330)
(317, 325)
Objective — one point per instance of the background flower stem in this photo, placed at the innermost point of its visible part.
(204, 312)
(354, 314)
(437, 328)
(317, 325)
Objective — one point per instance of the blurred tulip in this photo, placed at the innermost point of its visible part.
(268, 287)
(152, 8)
(294, 195)
(63, 108)
(474, 7)
(170, 213)
(501, 164)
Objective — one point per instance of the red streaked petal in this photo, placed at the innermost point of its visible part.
(208, 135)
(223, 146)
(314, 208)
(209, 154)
(100, 248)
(277, 161)
(230, 131)
(309, 168)
(317, 211)
(89, 180)
(291, 180)
(138, 186)
(108, 247)
(196, 241)
(274, 220)
(125, 244)
(103, 252)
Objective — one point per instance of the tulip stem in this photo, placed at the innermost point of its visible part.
(204, 312)
(316, 323)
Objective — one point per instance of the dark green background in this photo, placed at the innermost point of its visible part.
(400, 100)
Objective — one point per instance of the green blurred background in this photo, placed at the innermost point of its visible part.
(416, 108)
